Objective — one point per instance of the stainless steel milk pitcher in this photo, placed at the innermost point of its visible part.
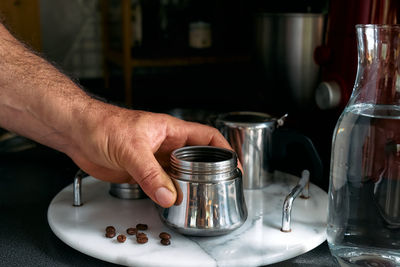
(261, 146)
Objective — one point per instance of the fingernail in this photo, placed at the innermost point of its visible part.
(164, 197)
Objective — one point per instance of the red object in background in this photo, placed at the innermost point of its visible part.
(338, 56)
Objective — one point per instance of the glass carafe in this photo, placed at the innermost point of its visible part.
(364, 192)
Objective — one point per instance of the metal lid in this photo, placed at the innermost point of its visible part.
(249, 119)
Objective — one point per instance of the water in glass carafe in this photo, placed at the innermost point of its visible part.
(364, 192)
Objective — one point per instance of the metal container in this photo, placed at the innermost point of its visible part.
(284, 47)
(262, 145)
(250, 135)
(127, 191)
(210, 192)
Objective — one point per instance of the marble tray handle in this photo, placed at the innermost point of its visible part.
(124, 191)
(301, 187)
(77, 188)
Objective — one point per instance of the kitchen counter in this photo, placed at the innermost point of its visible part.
(29, 180)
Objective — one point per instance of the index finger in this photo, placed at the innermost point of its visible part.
(201, 134)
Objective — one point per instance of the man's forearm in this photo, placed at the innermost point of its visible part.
(108, 142)
(33, 93)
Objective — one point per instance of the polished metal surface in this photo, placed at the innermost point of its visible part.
(328, 95)
(210, 192)
(284, 47)
(302, 186)
(250, 135)
(127, 191)
(77, 188)
(203, 164)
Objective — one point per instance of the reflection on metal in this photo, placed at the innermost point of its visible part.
(210, 191)
(77, 188)
(302, 186)
(127, 191)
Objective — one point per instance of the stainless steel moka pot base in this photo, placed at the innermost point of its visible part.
(210, 192)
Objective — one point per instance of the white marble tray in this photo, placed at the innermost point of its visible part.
(258, 242)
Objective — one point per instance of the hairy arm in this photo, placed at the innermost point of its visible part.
(108, 142)
(36, 100)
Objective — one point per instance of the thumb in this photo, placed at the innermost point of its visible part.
(151, 177)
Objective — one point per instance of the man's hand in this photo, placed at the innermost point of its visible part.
(128, 146)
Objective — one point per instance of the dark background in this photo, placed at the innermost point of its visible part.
(200, 90)
(71, 38)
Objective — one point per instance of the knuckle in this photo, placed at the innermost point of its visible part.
(215, 131)
(148, 178)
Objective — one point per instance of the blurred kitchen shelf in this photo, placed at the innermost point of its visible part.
(128, 61)
(117, 57)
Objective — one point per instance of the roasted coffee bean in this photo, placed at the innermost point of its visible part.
(141, 226)
(140, 235)
(165, 241)
(131, 231)
(110, 229)
(164, 235)
(142, 240)
(110, 234)
(121, 238)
